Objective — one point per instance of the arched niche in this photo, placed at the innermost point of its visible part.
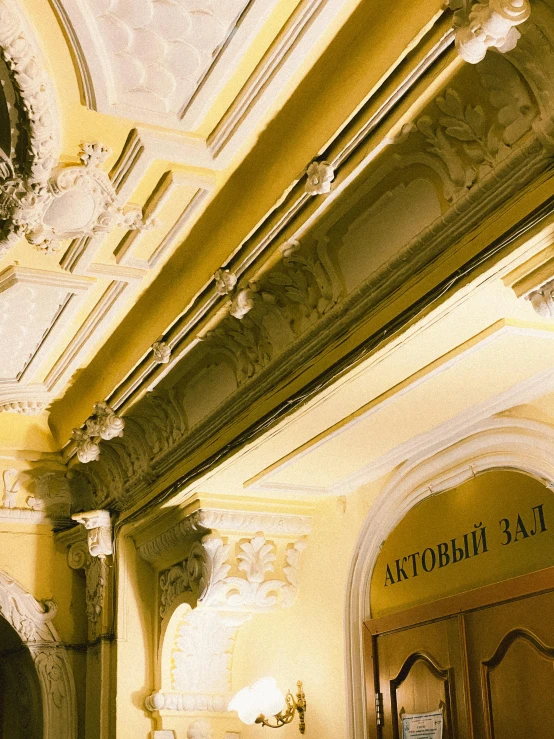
(500, 443)
(20, 695)
(43, 665)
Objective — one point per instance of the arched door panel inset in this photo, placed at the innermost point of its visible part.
(510, 677)
(421, 685)
(420, 669)
(511, 668)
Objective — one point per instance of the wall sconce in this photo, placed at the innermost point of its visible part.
(264, 699)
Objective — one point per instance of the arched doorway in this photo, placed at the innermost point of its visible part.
(502, 443)
(462, 638)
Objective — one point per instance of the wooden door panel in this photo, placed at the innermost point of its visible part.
(510, 678)
(511, 668)
(421, 685)
(420, 670)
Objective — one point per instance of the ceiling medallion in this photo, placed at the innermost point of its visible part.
(76, 201)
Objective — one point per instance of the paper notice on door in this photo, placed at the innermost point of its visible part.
(422, 725)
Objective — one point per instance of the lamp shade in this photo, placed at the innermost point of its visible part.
(263, 698)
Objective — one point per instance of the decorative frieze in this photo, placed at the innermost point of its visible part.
(490, 24)
(473, 147)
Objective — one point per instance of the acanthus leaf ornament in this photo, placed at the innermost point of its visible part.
(242, 303)
(490, 24)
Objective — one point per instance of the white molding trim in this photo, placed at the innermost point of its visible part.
(294, 44)
(501, 442)
(524, 392)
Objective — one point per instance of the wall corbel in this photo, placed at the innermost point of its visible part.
(247, 564)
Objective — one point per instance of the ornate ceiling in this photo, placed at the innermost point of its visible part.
(202, 199)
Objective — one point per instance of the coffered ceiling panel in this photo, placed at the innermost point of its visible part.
(157, 61)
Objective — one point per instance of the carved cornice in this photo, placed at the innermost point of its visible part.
(476, 159)
(202, 521)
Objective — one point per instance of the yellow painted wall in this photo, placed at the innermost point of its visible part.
(307, 641)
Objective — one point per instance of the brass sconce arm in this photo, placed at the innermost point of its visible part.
(287, 715)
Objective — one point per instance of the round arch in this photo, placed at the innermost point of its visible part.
(500, 443)
(32, 621)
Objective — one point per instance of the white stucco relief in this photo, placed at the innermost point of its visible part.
(226, 577)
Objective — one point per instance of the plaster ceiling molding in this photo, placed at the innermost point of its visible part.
(76, 202)
(300, 318)
(160, 63)
(295, 43)
(489, 24)
(35, 307)
(143, 148)
(193, 191)
(23, 179)
(225, 577)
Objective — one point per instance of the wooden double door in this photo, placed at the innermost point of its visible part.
(486, 658)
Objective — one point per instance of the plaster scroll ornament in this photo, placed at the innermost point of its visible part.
(161, 351)
(76, 201)
(243, 302)
(103, 424)
(490, 24)
(12, 482)
(98, 525)
(225, 281)
(320, 175)
(200, 729)
(542, 300)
